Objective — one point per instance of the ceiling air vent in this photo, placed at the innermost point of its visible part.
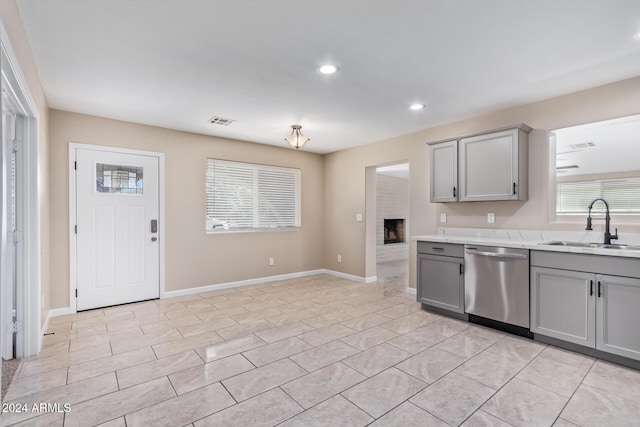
(582, 145)
(216, 120)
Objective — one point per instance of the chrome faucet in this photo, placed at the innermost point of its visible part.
(607, 219)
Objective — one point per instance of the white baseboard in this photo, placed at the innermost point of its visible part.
(351, 276)
(411, 291)
(208, 288)
(240, 283)
(51, 313)
(55, 312)
(191, 291)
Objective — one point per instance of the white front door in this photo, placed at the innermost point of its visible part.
(117, 235)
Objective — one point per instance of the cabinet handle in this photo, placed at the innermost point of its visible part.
(514, 188)
(454, 191)
(461, 269)
(437, 249)
(591, 287)
(599, 289)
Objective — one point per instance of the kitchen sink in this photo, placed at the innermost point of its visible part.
(591, 245)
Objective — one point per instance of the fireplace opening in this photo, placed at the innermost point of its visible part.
(393, 231)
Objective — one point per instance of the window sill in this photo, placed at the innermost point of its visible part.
(256, 230)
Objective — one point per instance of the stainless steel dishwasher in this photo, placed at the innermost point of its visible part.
(496, 287)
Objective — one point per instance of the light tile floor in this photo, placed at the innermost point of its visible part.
(314, 351)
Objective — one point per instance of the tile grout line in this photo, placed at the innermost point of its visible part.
(326, 291)
(576, 390)
(505, 384)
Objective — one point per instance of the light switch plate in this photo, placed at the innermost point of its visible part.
(443, 217)
(359, 217)
(491, 218)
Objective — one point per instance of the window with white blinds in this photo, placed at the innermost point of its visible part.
(246, 196)
(622, 194)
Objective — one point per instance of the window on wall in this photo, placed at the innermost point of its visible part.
(246, 196)
(622, 194)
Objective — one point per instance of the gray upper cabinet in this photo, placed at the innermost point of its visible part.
(444, 172)
(494, 166)
(481, 167)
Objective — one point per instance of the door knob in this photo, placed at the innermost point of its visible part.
(154, 238)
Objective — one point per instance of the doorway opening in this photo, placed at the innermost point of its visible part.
(392, 223)
(11, 242)
(20, 248)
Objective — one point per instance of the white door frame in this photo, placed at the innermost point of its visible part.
(371, 201)
(29, 307)
(73, 146)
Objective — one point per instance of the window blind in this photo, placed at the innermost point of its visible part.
(246, 196)
(622, 194)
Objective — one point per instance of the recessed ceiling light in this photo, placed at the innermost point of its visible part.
(416, 106)
(636, 36)
(328, 69)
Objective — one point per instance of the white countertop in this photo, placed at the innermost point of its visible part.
(529, 239)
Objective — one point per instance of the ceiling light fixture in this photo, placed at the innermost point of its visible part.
(636, 36)
(328, 69)
(416, 107)
(296, 139)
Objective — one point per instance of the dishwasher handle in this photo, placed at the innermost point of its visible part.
(495, 254)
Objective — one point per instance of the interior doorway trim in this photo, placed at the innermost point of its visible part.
(73, 220)
(28, 339)
(371, 215)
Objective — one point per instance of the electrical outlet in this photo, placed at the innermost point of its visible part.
(491, 218)
(359, 217)
(339, 258)
(443, 217)
(271, 262)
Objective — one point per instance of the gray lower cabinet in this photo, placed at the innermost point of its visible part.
(562, 305)
(594, 310)
(440, 276)
(618, 316)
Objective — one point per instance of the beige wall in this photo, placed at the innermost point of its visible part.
(334, 186)
(345, 173)
(18, 41)
(193, 258)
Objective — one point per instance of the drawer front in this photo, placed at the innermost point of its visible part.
(599, 264)
(444, 249)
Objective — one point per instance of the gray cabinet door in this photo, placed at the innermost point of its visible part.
(563, 305)
(618, 316)
(441, 282)
(444, 172)
(489, 166)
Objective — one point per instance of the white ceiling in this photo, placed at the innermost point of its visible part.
(400, 170)
(176, 64)
(616, 147)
